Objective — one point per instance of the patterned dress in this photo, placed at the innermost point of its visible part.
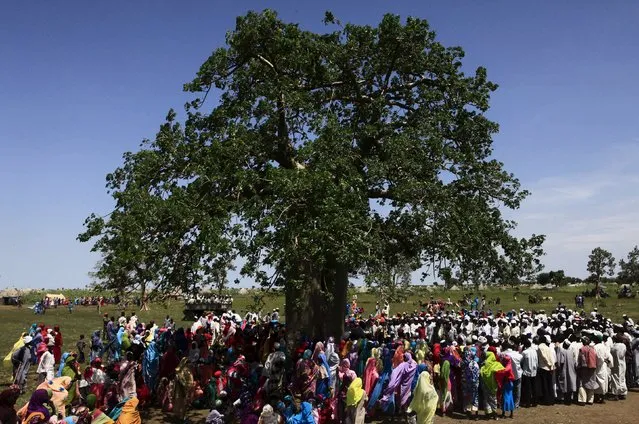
(470, 380)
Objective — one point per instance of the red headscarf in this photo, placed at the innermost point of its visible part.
(437, 352)
(506, 374)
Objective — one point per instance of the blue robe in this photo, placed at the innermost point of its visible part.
(150, 366)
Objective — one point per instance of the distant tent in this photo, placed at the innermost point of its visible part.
(56, 296)
(243, 291)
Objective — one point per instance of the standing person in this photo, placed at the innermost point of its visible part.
(372, 371)
(306, 372)
(634, 347)
(425, 400)
(21, 360)
(566, 372)
(345, 377)
(618, 387)
(516, 359)
(111, 329)
(401, 380)
(105, 323)
(46, 365)
(128, 387)
(81, 345)
(505, 379)
(122, 320)
(529, 364)
(470, 381)
(488, 383)
(602, 373)
(182, 389)
(96, 346)
(545, 370)
(355, 400)
(587, 366)
(57, 344)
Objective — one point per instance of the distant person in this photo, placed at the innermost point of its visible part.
(46, 364)
(81, 346)
(105, 323)
(21, 361)
(122, 320)
(112, 329)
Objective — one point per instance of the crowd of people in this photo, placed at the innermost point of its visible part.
(250, 370)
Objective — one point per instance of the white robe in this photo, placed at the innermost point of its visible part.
(618, 370)
(602, 374)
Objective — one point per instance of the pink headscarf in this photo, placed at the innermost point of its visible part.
(344, 370)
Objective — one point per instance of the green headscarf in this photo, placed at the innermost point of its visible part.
(488, 370)
(91, 401)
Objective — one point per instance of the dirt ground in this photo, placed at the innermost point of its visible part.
(621, 412)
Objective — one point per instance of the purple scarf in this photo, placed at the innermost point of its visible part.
(401, 377)
(36, 403)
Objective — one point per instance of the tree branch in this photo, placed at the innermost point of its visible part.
(266, 61)
(379, 193)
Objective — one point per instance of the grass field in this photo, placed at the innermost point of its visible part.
(85, 320)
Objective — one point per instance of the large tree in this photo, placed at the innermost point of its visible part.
(629, 273)
(600, 263)
(322, 155)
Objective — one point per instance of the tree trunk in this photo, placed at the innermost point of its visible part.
(317, 308)
(144, 301)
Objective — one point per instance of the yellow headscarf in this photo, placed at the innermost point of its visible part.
(421, 352)
(354, 393)
(6, 362)
(425, 396)
(377, 353)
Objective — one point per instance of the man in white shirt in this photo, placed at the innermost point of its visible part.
(515, 358)
(529, 365)
(545, 370)
(45, 366)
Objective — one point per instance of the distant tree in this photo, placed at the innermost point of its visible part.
(573, 280)
(556, 278)
(629, 273)
(543, 278)
(391, 279)
(600, 263)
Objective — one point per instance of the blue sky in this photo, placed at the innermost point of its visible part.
(81, 82)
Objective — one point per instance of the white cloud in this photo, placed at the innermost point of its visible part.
(578, 212)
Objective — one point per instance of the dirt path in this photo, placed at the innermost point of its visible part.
(622, 412)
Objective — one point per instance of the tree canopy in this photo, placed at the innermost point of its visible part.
(600, 263)
(556, 278)
(312, 157)
(629, 268)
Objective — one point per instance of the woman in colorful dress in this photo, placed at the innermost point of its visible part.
(488, 382)
(306, 376)
(506, 380)
(470, 381)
